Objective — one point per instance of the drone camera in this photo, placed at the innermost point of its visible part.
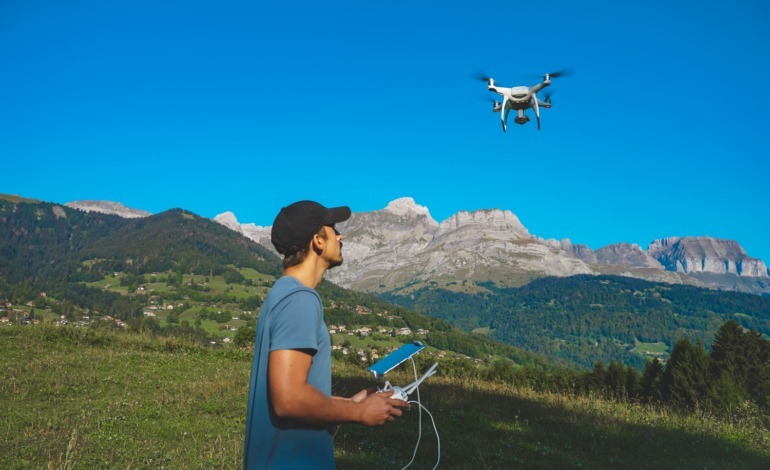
(521, 119)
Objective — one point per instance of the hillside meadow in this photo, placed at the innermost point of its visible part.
(75, 398)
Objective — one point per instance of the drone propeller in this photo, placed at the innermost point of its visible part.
(484, 77)
(548, 97)
(560, 73)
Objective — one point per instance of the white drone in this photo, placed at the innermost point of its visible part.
(521, 98)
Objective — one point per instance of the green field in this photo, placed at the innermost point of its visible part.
(651, 349)
(84, 398)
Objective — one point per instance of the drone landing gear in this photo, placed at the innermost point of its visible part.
(504, 115)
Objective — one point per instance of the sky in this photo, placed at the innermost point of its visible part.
(247, 106)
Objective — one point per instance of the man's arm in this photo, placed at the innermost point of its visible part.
(293, 397)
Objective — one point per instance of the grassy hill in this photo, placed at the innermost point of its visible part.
(84, 398)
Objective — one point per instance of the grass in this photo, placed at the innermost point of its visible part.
(80, 398)
(657, 349)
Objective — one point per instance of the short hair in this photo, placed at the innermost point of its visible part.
(298, 257)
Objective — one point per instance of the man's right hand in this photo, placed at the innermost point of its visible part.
(379, 408)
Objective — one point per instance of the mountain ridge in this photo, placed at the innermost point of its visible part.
(402, 244)
(391, 248)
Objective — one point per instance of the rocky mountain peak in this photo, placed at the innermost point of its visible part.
(626, 254)
(494, 219)
(402, 244)
(406, 206)
(108, 207)
(706, 255)
(229, 220)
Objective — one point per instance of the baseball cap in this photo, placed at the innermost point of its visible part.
(296, 224)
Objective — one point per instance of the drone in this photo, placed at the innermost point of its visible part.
(521, 98)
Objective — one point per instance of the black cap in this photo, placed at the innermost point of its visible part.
(296, 224)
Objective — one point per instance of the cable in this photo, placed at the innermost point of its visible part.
(435, 429)
(419, 421)
(419, 425)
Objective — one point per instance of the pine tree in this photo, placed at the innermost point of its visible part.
(740, 365)
(615, 381)
(757, 381)
(651, 388)
(687, 378)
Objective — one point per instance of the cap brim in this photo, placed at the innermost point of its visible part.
(336, 215)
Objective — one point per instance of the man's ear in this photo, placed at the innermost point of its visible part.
(317, 243)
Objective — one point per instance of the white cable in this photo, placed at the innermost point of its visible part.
(419, 425)
(435, 429)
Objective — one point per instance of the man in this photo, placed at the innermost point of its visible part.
(290, 407)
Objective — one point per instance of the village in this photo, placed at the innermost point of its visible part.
(371, 336)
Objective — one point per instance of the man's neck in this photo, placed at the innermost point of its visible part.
(309, 273)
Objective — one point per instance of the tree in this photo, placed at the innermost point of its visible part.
(615, 381)
(729, 365)
(740, 365)
(651, 389)
(502, 370)
(687, 377)
(245, 336)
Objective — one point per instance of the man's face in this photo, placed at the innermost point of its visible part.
(333, 251)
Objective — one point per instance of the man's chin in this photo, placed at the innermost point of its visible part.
(335, 263)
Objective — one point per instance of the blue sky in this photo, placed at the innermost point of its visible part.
(248, 106)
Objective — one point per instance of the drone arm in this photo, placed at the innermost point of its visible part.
(504, 114)
(535, 88)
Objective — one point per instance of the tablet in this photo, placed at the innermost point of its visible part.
(392, 360)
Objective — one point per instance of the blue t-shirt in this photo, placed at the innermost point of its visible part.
(291, 318)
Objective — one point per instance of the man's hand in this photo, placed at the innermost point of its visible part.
(360, 396)
(379, 408)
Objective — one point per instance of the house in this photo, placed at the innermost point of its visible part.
(405, 331)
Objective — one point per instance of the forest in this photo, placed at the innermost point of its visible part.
(585, 319)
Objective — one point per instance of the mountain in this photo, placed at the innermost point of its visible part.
(46, 245)
(107, 207)
(64, 261)
(706, 255)
(253, 232)
(577, 318)
(402, 246)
